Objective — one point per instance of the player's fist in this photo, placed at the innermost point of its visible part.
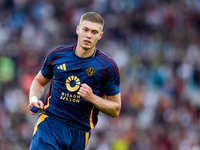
(34, 107)
(86, 92)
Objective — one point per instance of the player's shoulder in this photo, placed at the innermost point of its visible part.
(107, 62)
(61, 50)
(104, 58)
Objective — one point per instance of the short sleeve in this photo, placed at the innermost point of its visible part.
(47, 70)
(112, 84)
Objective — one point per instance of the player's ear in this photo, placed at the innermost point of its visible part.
(101, 35)
(77, 29)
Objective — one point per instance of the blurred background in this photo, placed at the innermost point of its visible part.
(156, 45)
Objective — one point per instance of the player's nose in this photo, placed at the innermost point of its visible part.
(89, 34)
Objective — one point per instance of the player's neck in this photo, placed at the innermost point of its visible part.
(80, 52)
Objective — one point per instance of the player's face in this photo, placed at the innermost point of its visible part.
(88, 34)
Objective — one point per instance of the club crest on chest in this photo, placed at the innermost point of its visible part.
(90, 71)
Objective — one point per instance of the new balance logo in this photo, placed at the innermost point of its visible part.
(62, 67)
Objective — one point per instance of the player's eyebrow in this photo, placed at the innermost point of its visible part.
(93, 30)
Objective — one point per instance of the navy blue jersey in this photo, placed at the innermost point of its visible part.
(68, 72)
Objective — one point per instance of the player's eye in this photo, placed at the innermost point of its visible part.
(94, 32)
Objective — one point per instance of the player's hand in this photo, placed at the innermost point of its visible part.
(39, 105)
(86, 93)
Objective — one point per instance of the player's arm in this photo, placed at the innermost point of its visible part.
(36, 90)
(111, 106)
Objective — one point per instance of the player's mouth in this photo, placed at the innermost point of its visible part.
(86, 42)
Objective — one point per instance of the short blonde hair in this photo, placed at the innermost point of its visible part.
(93, 17)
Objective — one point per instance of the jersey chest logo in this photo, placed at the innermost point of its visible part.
(90, 71)
(62, 67)
(73, 83)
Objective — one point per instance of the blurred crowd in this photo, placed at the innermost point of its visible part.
(156, 45)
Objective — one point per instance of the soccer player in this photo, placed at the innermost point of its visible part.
(83, 81)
